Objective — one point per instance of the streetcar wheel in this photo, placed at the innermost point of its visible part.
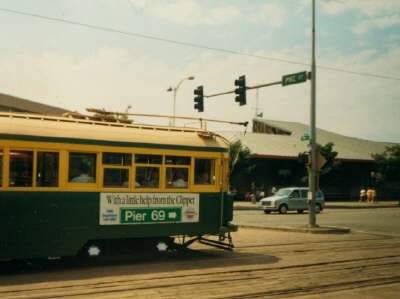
(90, 250)
(267, 212)
(300, 211)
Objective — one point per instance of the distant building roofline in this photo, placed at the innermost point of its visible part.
(273, 139)
(11, 103)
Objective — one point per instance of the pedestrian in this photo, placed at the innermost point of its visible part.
(363, 194)
(253, 193)
(373, 195)
(273, 190)
(370, 192)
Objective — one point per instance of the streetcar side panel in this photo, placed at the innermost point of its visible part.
(60, 223)
(39, 221)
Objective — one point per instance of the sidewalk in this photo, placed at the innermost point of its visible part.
(247, 205)
(243, 205)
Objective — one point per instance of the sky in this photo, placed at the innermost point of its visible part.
(110, 54)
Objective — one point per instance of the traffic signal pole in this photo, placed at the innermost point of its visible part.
(313, 140)
(287, 80)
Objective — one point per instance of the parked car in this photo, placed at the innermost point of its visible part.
(291, 199)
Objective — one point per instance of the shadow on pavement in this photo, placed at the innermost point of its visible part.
(73, 268)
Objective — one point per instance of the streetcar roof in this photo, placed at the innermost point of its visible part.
(56, 129)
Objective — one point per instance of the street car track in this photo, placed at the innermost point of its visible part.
(210, 280)
(320, 289)
(383, 237)
(325, 264)
(380, 243)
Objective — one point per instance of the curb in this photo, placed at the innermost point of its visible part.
(362, 207)
(258, 208)
(312, 230)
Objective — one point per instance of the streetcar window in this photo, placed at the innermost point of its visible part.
(177, 177)
(117, 159)
(147, 177)
(47, 169)
(21, 168)
(204, 171)
(177, 160)
(82, 168)
(148, 159)
(116, 177)
(1, 168)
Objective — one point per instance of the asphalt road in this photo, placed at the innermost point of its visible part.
(384, 221)
(264, 264)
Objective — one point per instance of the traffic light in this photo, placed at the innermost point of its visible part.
(199, 99)
(240, 91)
(304, 158)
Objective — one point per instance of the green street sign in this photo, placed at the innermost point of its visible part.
(294, 78)
(150, 215)
(305, 137)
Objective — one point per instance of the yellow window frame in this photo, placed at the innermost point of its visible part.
(189, 179)
(2, 168)
(79, 185)
(35, 169)
(160, 177)
(123, 188)
(33, 182)
(215, 173)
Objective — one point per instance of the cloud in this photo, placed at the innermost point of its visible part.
(273, 14)
(195, 12)
(378, 14)
(189, 12)
(113, 78)
(360, 106)
(140, 3)
(381, 23)
(367, 7)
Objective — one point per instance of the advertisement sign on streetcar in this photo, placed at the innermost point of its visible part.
(148, 208)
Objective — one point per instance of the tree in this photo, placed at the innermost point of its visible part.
(389, 163)
(329, 154)
(240, 163)
(331, 164)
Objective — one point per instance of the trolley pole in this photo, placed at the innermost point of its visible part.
(313, 172)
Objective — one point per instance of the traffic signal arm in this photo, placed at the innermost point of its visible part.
(241, 88)
(247, 88)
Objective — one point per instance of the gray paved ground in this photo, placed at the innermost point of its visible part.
(264, 264)
(379, 220)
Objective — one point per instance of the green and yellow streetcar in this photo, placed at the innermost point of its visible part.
(70, 186)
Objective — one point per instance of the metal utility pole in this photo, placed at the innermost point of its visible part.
(313, 140)
(257, 100)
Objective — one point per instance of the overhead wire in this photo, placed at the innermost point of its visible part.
(188, 44)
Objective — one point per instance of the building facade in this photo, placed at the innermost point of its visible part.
(275, 146)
